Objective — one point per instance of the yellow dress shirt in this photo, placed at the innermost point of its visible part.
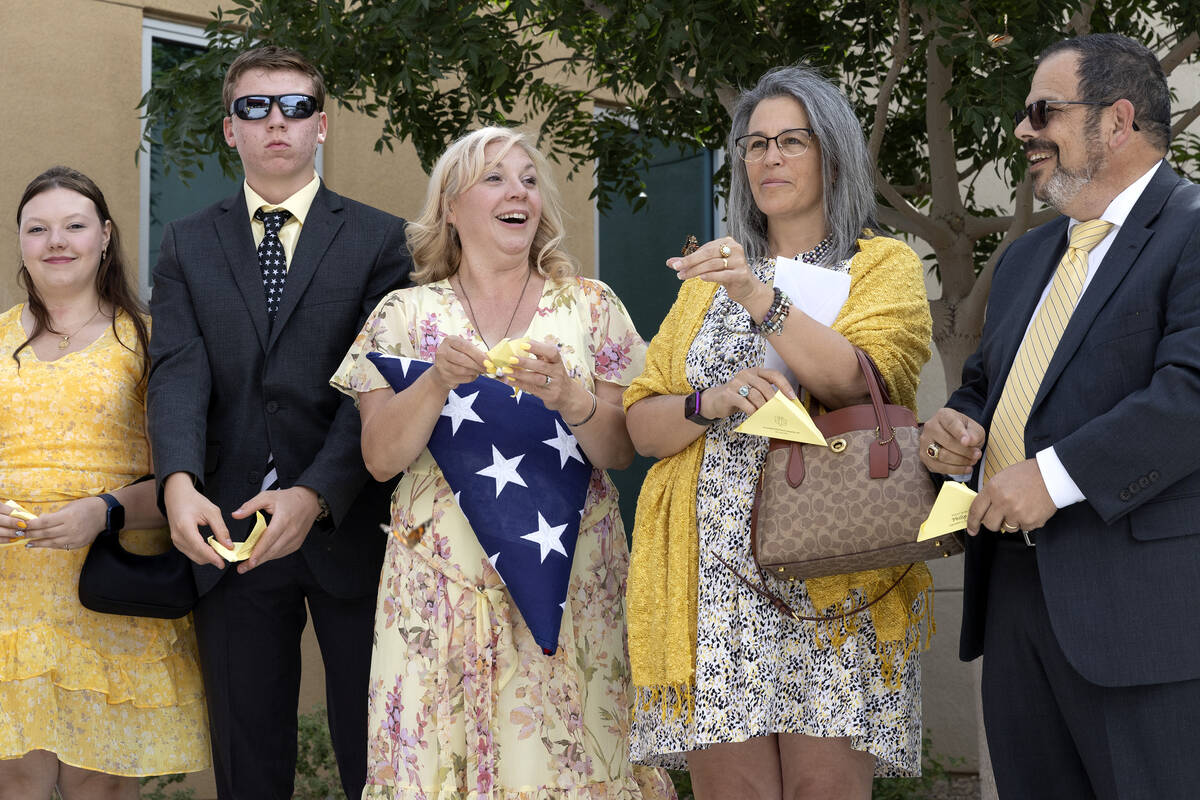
(298, 204)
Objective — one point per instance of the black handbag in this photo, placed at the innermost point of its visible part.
(116, 581)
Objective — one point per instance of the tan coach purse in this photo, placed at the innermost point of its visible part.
(854, 505)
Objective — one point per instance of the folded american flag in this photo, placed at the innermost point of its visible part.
(521, 480)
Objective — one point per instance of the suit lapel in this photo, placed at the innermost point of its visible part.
(320, 226)
(1119, 259)
(233, 231)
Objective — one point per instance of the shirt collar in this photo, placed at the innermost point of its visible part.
(1118, 210)
(299, 203)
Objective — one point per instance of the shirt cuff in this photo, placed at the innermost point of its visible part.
(1063, 491)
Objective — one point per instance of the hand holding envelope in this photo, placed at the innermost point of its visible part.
(501, 358)
(783, 418)
(241, 550)
(949, 512)
(16, 510)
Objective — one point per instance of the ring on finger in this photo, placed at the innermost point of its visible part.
(933, 450)
(744, 391)
(725, 251)
(724, 263)
(548, 380)
(1008, 527)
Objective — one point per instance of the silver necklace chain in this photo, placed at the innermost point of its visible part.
(475, 319)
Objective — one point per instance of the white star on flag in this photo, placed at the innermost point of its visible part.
(459, 408)
(503, 470)
(566, 445)
(548, 537)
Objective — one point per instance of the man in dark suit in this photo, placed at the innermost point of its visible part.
(256, 300)
(1083, 565)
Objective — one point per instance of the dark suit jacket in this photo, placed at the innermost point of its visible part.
(1120, 403)
(226, 387)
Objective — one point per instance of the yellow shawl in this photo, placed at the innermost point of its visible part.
(887, 315)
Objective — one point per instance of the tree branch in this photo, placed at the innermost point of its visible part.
(1184, 121)
(905, 216)
(1182, 50)
(946, 202)
(901, 49)
(978, 227)
(973, 305)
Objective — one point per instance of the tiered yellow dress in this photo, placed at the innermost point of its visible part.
(116, 694)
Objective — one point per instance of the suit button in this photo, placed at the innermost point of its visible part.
(272, 406)
(1153, 476)
(1124, 495)
(1133, 487)
(1144, 481)
(254, 477)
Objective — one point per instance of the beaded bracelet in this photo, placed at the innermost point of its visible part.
(591, 413)
(772, 323)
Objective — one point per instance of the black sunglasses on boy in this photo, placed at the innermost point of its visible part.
(258, 106)
(1037, 111)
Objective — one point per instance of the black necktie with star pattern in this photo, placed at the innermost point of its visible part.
(271, 258)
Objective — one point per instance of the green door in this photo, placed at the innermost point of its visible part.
(633, 249)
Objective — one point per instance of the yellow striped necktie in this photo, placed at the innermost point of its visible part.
(1006, 439)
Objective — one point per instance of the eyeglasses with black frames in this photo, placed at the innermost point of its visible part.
(258, 106)
(791, 143)
(1037, 111)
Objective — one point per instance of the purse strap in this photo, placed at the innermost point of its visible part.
(786, 610)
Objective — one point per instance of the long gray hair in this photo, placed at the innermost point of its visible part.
(849, 188)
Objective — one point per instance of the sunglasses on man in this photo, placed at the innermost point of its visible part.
(1037, 111)
(258, 106)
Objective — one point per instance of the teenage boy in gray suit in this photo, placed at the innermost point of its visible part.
(256, 300)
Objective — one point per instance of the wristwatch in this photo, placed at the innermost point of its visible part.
(114, 519)
(691, 410)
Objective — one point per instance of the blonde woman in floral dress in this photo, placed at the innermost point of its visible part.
(88, 701)
(463, 702)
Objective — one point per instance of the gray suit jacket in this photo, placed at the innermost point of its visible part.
(1120, 403)
(227, 387)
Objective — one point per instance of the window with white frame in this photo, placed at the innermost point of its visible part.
(164, 195)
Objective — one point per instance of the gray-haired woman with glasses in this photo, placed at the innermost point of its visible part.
(755, 704)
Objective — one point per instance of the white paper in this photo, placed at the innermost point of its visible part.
(817, 291)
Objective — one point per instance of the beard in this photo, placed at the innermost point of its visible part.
(1064, 184)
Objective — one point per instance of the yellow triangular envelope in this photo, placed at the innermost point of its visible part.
(783, 419)
(949, 511)
(241, 550)
(20, 513)
(501, 358)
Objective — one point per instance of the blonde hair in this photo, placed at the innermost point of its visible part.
(432, 240)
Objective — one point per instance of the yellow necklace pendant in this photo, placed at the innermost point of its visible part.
(65, 343)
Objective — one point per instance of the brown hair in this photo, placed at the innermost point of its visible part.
(432, 240)
(112, 283)
(270, 58)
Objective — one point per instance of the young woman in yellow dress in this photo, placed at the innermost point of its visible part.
(88, 701)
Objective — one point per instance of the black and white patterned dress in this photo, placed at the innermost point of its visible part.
(756, 672)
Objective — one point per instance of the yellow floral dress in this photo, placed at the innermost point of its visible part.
(463, 704)
(109, 693)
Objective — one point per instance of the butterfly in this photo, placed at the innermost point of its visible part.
(690, 245)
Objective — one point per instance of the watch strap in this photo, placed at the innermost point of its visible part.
(114, 518)
(691, 410)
